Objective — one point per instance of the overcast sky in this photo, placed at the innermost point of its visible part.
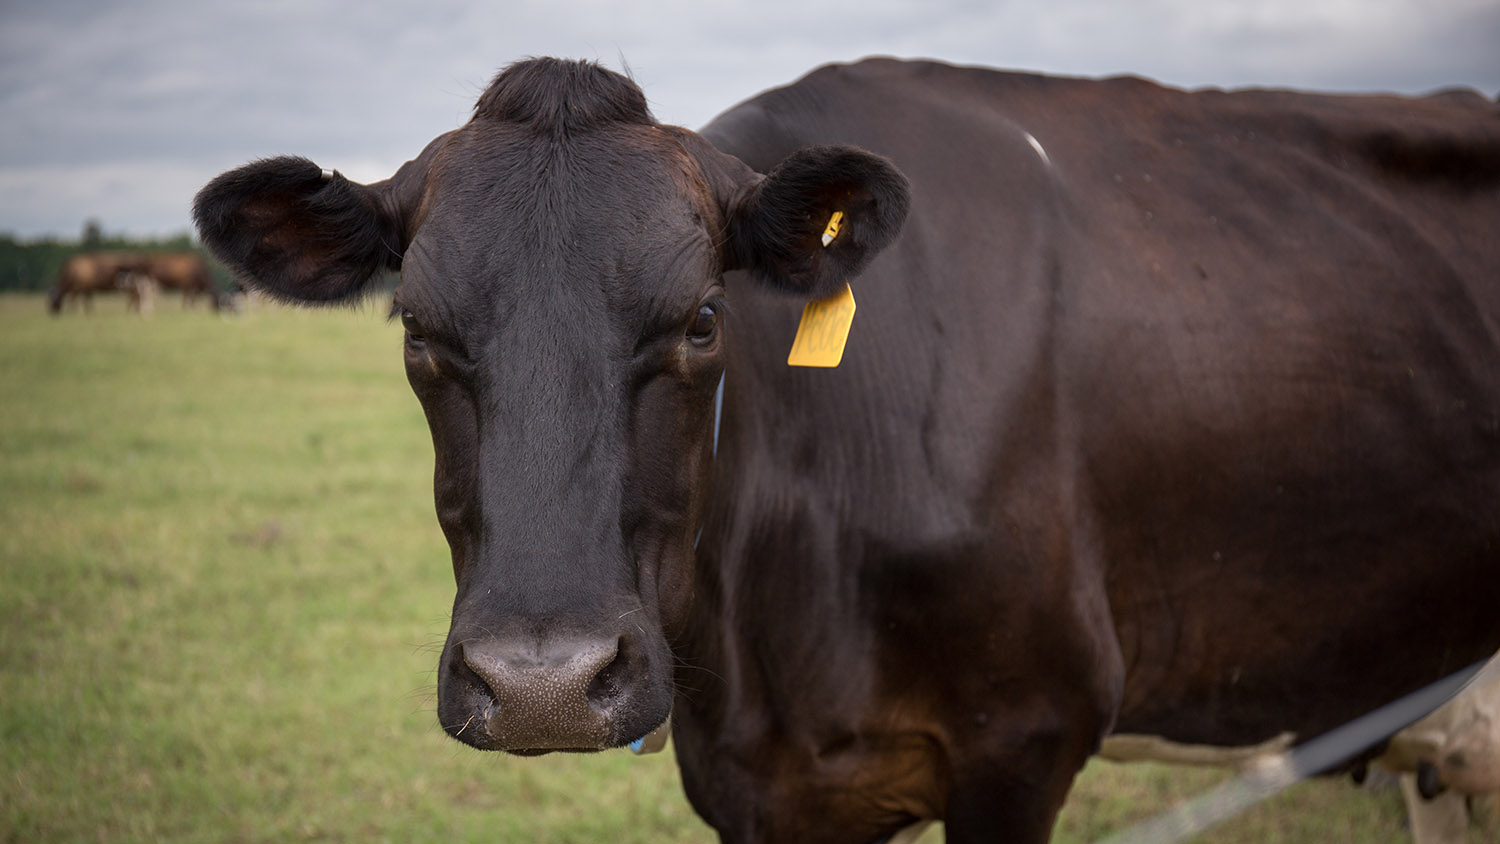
(120, 111)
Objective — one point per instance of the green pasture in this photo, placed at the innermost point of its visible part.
(222, 590)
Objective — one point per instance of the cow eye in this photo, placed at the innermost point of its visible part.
(413, 328)
(705, 324)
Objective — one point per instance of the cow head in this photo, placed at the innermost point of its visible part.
(562, 261)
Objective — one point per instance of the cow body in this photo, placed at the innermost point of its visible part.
(183, 272)
(1165, 413)
(87, 273)
(1187, 425)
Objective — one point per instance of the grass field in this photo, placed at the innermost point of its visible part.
(222, 590)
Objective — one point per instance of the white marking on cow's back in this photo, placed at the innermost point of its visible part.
(1037, 145)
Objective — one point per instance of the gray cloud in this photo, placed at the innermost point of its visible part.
(119, 111)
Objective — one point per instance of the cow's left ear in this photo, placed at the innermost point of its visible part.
(780, 228)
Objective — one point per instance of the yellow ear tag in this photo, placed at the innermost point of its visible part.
(835, 223)
(823, 331)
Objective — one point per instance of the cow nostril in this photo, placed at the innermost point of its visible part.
(478, 683)
(1429, 783)
(608, 683)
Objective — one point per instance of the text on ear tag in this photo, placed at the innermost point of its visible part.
(835, 223)
(824, 331)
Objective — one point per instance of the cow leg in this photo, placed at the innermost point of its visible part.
(1013, 771)
(912, 834)
(1015, 796)
(1442, 820)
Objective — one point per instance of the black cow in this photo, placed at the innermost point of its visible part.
(1172, 413)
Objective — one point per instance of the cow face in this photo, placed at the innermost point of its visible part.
(562, 263)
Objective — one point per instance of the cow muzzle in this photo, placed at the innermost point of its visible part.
(531, 697)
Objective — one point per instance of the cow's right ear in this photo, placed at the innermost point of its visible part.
(303, 234)
(818, 218)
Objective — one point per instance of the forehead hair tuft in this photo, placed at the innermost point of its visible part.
(562, 95)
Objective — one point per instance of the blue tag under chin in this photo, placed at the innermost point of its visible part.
(654, 741)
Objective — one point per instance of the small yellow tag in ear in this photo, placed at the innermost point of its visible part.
(823, 331)
(835, 223)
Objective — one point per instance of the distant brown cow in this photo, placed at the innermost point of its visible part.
(88, 273)
(185, 272)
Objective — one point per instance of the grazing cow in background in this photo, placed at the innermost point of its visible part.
(87, 273)
(1163, 412)
(1449, 758)
(184, 272)
(1444, 761)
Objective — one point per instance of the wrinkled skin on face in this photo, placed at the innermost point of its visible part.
(562, 262)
